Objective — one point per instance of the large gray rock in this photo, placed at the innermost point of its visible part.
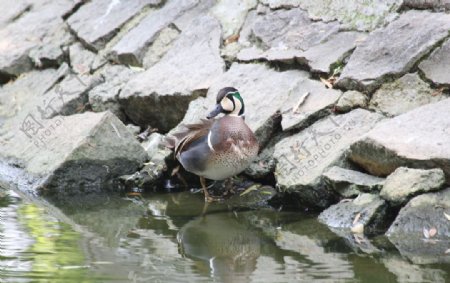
(232, 14)
(96, 22)
(405, 183)
(160, 46)
(33, 31)
(351, 99)
(402, 95)
(69, 155)
(303, 157)
(360, 14)
(130, 49)
(160, 96)
(13, 10)
(349, 183)
(81, 59)
(410, 231)
(416, 139)
(370, 64)
(368, 210)
(435, 66)
(427, 4)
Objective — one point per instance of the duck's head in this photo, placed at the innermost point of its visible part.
(229, 102)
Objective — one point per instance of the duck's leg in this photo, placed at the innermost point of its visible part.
(208, 198)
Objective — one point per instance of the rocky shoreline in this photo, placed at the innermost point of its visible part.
(349, 102)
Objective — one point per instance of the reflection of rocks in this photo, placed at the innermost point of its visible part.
(407, 272)
(367, 209)
(416, 139)
(302, 158)
(406, 183)
(349, 183)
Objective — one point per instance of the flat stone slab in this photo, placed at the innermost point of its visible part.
(232, 14)
(368, 210)
(74, 154)
(304, 157)
(96, 22)
(406, 183)
(349, 183)
(416, 139)
(370, 64)
(160, 96)
(415, 221)
(435, 67)
(403, 95)
(13, 10)
(360, 15)
(130, 49)
(81, 59)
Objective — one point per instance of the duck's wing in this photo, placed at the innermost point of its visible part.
(189, 133)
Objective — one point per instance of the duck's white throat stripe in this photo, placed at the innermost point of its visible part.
(209, 142)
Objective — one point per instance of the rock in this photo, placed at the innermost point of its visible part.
(13, 10)
(370, 64)
(31, 31)
(96, 22)
(232, 14)
(367, 211)
(349, 183)
(160, 46)
(434, 67)
(360, 15)
(81, 59)
(75, 154)
(106, 95)
(416, 139)
(264, 92)
(171, 84)
(423, 212)
(130, 49)
(263, 165)
(303, 157)
(402, 95)
(153, 144)
(135, 130)
(351, 99)
(254, 196)
(405, 183)
(427, 4)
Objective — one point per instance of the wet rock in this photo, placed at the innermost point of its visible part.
(370, 64)
(351, 99)
(263, 90)
(160, 46)
(402, 95)
(435, 66)
(160, 96)
(405, 183)
(368, 210)
(360, 15)
(303, 157)
(96, 22)
(349, 183)
(73, 154)
(130, 49)
(254, 196)
(427, 4)
(81, 59)
(411, 227)
(232, 14)
(106, 95)
(416, 139)
(30, 32)
(263, 165)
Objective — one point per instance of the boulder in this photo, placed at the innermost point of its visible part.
(81, 59)
(435, 66)
(73, 154)
(160, 96)
(160, 46)
(416, 139)
(360, 14)
(402, 95)
(368, 210)
(349, 183)
(13, 10)
(370, 64)
(303, 158)
(130, 49)
(96, 22)
(232, 14)
(421, 231)
(405, 183)
(351, 99)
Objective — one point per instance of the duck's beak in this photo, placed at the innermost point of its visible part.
(217, 110)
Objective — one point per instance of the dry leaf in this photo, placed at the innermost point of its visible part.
(175, 171)
(250, 189)
(358, 228)
(326, 82)
(426, 233)
(447, 216)
(356, 218)
(432, 232)
(231, 39)
(300, 102)
(438, 91)
(344, 200)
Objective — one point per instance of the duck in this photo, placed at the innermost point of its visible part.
(216, 148)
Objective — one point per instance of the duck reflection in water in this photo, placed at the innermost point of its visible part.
(222, 246)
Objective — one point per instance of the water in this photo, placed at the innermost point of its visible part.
(175, 238)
